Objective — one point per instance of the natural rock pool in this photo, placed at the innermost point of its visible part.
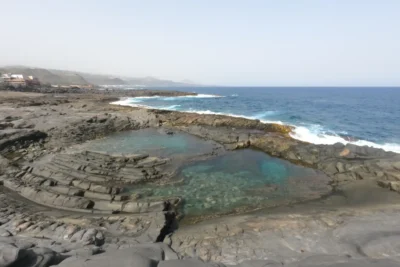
(236, 181)
(240, 180)
(159, 143)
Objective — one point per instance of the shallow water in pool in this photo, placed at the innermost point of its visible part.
(153, 141)
(238, 180)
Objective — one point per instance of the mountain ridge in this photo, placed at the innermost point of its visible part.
(67, 77)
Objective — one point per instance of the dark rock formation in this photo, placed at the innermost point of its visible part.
(13, 140)
(3, 164)
(89, 182)
(172, 118)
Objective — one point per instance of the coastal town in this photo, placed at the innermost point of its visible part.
(18, 80)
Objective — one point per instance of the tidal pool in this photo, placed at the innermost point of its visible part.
(154, 142)
(234, 182)
(239, 181)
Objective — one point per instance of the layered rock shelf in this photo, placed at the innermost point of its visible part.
(89, 182)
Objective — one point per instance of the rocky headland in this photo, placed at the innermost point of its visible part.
(65, 206)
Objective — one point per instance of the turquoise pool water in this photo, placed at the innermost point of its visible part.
(154, 142)
(236, 181)
(239, 180)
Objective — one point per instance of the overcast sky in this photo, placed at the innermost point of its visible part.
(221, 42)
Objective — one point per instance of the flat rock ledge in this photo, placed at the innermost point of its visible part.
(22, 254)
(90, 182)
(30, 236)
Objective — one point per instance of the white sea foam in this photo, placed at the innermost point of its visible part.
(172, 98)
(311, 133)
(129, 102)
(204, 96)
(172, 107)
(121, 102)
(314, 134)
(232, 115)
(264, 114)
(144, 97)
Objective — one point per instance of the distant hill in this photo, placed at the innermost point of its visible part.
(154, 82)
(64, 77)
(102, 79)
(121, 80)
(47, 76)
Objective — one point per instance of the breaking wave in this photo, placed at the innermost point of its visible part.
(256, 117)
(311, 133)
(139, 99)
(264, 114)
(172, 107)
(316, 135)
(132, 102)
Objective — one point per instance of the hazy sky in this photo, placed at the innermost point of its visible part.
(224, 42)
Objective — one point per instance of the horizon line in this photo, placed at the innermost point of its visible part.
(199, 84)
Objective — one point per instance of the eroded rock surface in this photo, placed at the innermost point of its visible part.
(291, 237)
(62, 208)
(89, 182)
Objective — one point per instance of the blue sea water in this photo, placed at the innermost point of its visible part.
(326, 115)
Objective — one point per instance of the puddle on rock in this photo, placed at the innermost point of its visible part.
(239, 181)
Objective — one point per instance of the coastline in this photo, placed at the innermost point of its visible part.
(314, 133)
(60, 121)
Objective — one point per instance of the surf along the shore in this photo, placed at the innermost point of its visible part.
(309, 125)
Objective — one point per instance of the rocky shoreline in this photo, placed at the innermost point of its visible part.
(63, 208)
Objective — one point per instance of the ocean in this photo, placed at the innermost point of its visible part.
(321, 115)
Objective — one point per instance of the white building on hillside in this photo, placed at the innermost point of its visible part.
(15, 80)
(17, 76)
(4, 77)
